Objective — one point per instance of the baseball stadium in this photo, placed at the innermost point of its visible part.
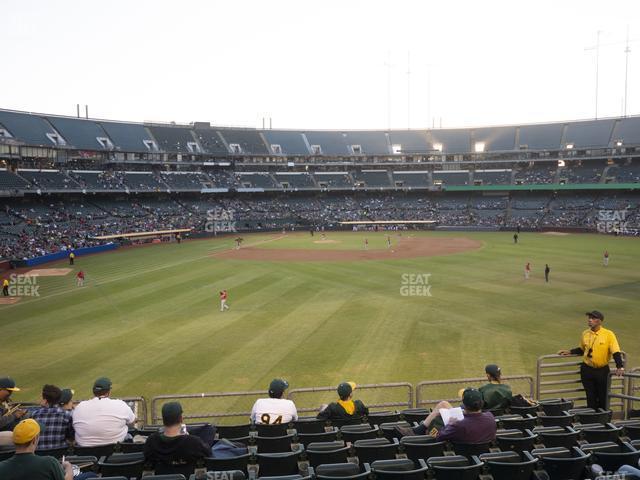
(196, 263)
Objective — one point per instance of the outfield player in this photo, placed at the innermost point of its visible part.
(546, 272)
(527, 270)
(5, 287)
(223, 301)
(388, 241)
(366, 243)
(72, 257)
(275, 409)
(80, 279)
(605, 258)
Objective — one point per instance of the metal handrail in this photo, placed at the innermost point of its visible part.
(464, 382)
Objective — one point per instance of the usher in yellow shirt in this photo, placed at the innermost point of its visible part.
(603, 344)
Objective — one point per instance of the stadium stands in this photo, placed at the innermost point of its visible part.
(411, 179)
(290, 143)
(495, 139)
(50, 180)
(451, 141)
(174, 139)
(409, 142)
(367, 143)
(329, 143)
(247, 142)
(82, 134)
(10, 181)
(129, 137)
(451, 177)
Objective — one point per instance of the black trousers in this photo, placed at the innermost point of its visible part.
(595, 383)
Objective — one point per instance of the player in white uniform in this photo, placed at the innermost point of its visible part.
(275, 409)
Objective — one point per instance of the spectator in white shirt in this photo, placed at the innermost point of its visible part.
(275, 409)
(101, 420)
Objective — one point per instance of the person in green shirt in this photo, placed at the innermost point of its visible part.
(495, 393)
(25, 464)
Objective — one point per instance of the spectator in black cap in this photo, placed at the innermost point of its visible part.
(66, 399)
(346, 409)
(8, 420)
(173, 450)
(275, 409)
(476, 426)
(56, 422)
(597, 346)
(495, 394)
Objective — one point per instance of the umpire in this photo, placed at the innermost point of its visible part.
(597, 346)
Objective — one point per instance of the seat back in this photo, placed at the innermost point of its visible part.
(612, 456)
(516, 443)
(456, 467)
(561, 463)
(389, 429)
(233, 431)
(309, 425)
(422, 446)
(562, 420)
(523, 411)
(232, 463)
(272, 464)
(596, 433)
(307, 438)
(130, 447)
(97, 451)
(53, 452)
(340, 471)
(556, 406)
(274, 444)
(351, 433)
(279, 430)
(370, 450)
(470, 449)
(376, 418)
(510, 465)
(399, 469)
(566, 438)
(124, 464)
(518, 421)
(327, 452)
(414, 414)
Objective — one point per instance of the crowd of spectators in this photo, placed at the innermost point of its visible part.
(29, 229)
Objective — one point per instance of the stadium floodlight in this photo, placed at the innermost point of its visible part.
(618, 143)
(479, 147)
(569, 146)
(437, 146)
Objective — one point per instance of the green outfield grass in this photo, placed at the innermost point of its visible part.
(149, 317)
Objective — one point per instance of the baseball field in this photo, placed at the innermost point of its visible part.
(316, 311)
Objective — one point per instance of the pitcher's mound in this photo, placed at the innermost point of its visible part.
(405, 248)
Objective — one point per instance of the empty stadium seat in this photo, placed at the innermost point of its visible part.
(470, 449)
(309, 425)
(125, 464)
(556, 406)
(562, 420)
(588, 415)
(612, 455)
(307, 438)
(421, 446)
(239, 462)
(562, 463)
(274, 444)
(517, 421)
(630, 427)
(414, 414)
(509, 465)
(523, 411)
(327, 452)
(342, 471)
(597, 432)
(233, 431)
(278, 430)
(389, 429)
(399, 469)
(351, 433)
(372, 449)
(565, 437)
(515, 440)
(455, 467)
(377, 418)
(284, 463)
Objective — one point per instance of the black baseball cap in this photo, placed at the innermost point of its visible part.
(102, 384)
(472, 398)
(8, 383)
(595, 314)
(277, 387)
(67, 395)
(345, 389)
(493, 370)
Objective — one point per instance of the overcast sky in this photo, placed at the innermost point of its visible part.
(320, 64)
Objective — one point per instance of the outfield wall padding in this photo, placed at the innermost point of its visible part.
(52, 257)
